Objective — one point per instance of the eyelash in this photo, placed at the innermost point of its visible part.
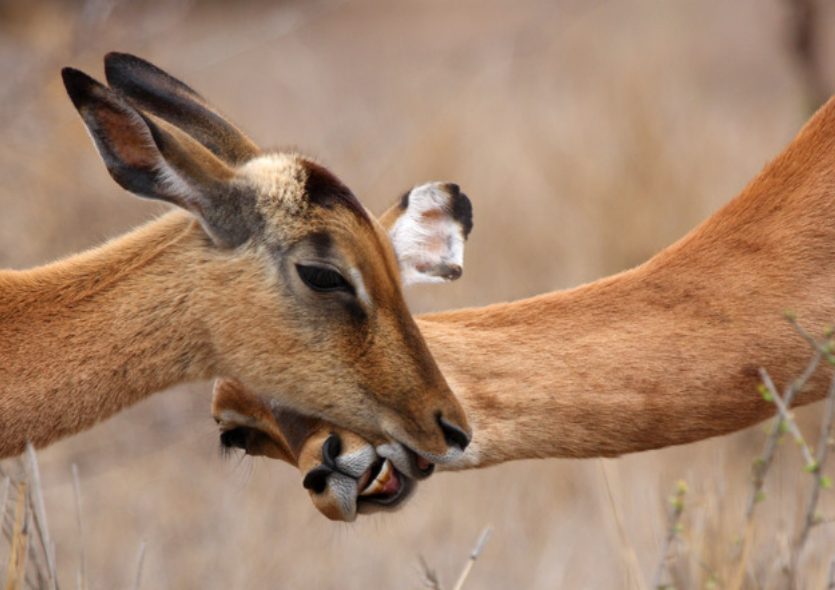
(323, 279)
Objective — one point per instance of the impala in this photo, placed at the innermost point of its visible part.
(664, 354)
(269, 271)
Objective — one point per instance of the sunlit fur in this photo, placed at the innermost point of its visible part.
(663, 354)
(211, 289)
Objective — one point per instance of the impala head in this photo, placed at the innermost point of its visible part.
(346, 473)
(296, 286)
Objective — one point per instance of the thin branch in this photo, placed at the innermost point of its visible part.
(674, 527)
(787, 418)
(820, 461)
(764, 462)
(821, 482)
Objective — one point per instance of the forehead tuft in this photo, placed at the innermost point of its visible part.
(279, 181)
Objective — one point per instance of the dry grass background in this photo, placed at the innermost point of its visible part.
(589, 136)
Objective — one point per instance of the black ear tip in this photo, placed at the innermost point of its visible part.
(117, 64)
(118, 60)
(78, 84)
(462, 211)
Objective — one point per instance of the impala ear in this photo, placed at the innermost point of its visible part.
(153, 159)
(154, 91)
(247, 423)
(428, 229)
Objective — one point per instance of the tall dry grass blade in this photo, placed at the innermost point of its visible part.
(4, 497)
(139, 565)
(429, 577)
(82, 566)
(40, 517)
(482, 540)
(14, 575)
(631, 558)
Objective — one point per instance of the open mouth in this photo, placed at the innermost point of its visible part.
(384, 485)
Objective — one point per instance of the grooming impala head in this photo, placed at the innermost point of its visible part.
(345, 473)
(295, 286)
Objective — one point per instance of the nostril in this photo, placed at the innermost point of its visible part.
(317, 479)
(453, 435)
(331, 450)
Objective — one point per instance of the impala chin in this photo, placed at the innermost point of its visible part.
(364, 482)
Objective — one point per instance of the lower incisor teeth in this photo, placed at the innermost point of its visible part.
(376, 486)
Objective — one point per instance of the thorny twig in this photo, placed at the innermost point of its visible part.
(763, 463)
(676, 510)
(821, 482)
(772, 395)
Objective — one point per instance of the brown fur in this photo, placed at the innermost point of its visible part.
(178, 300)
(664, 354)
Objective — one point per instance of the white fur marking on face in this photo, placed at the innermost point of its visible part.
(359, 285)
(358, 462)
(426, 237)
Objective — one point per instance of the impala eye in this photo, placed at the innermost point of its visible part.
(323, 279)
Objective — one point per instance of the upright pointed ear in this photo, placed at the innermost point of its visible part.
(154, 91)
(428, 229)
(154, 160)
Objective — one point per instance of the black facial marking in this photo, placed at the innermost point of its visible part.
(326, 190)
(237, 217)
(322, 244)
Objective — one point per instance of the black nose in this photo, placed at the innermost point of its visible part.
(454, 436)
(316, 479)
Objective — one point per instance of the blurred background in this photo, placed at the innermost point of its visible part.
(589, 135)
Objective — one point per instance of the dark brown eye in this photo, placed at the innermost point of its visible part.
(323, 279)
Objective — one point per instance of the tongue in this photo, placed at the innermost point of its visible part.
(392, 485)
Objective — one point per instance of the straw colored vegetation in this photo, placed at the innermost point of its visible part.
(588, 135)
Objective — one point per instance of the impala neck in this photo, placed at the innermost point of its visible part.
(669, 352)
(85, 337)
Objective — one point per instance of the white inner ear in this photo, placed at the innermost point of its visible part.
(174, 185)
(428, 241)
